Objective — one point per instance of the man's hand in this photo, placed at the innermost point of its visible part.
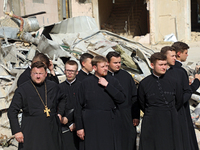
(64, 120)
(19, 137)
(51, 68)
(60, 118)
(103, 81)
(72, 127)
(136, 122)
(197, 76)
(191, 79)
(81, 134)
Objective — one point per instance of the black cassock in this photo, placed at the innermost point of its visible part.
(194, 86)
(82, 75)
(26, 75)
(185, 94)
(40, 132)
(97, 114)
(70, 139)
(160, 126)
(129, 109)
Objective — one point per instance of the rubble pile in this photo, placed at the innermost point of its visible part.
(60, 42)
(195, 36)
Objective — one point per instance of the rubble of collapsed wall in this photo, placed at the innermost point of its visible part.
(60, 42)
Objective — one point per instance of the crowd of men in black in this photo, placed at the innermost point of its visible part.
(100, 111)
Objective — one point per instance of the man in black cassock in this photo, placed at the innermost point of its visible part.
(181, 56)
(185, 92)
(95, 114)
(38, 99)
(130, 112)
(157, 97)
(85, 61)
(25, 76)
(70, 89)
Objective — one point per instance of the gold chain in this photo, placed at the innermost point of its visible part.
(45, 105)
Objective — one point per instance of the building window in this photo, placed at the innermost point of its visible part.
(38, 1)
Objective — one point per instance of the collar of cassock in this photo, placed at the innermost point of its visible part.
(85, 72)
(158, 77)
(70, 83)
(179, 61)
(38, 84)
(113, 74)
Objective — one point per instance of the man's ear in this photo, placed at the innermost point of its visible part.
(178, 54)
(94, 67)
(152, 65)
(83, 64)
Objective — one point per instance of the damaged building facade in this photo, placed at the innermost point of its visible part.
(130, 18)
(94, 26)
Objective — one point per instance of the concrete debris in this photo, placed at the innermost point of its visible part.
(62, 41)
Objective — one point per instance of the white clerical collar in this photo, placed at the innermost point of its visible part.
(70, 83)
(113, 74)
(156, 76)
(85, 72)
(179, 61)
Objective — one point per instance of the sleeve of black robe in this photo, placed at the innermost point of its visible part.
(61, 100)
(141, 97)
(25, 76)
(78, 109)
(53, 78)
(195, 85)
(135, 110)
(13, 110)
(187, 91)
(178, 95)
(116, 91)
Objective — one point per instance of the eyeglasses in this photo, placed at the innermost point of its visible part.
(40, 74)
(70, 71)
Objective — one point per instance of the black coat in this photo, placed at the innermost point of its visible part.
(40, 132)
(129, 109)
(96, 113)
(185, 94)
(82, 75)
(70, 139)
(26, 75)
(194, 86)
(160, 128)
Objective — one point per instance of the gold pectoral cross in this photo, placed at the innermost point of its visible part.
(47, 111)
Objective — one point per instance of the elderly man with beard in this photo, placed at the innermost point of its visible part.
(95, 114)
(38, 99)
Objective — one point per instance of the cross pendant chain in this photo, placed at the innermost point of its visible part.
(47, 111)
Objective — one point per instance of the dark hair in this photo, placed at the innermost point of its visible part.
(98, 59)
(72, 62)
(157, 56)
(112, 54)
(165, 49)
(38, 64)
(84, 57)
(180, 47)
(41, 57)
